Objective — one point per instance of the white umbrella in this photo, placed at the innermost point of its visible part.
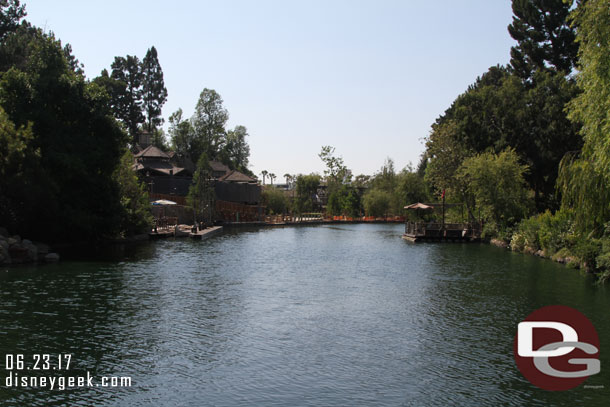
(163, 202)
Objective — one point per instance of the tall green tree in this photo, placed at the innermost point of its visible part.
(201, 196)
(306, 190)
(209, 122)
(499, 111)
(497, 184)
(11, 12)
(377, 202)
(585, 178)
(136, 216)
(181, 133)
(128, 72)
(235, 151)
(544, 36)
(154, 93)
(74, 193)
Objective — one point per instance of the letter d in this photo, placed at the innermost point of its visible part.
(9, 380)
(525, 338)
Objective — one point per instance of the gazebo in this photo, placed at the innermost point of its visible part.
(438, 231)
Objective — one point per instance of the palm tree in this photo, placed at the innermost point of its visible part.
(288, 180)
(264, 174)
(272, 177)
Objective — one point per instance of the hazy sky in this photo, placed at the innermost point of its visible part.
(367, 77)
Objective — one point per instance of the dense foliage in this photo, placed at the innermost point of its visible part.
(61, 145)
(205, 132)
(201, 196)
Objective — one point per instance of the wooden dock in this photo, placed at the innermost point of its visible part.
(206, 233)
(439, 232)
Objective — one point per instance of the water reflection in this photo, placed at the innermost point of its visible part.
(324, 315)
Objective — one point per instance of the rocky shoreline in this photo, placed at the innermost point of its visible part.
(15, 250)
(558, 258)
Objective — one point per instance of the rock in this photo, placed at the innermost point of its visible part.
(3, 232)
(51, 257)
(529, 250)
(499, 243)
(43, 250)
(14, 240)
(32, 250)
(539, 253)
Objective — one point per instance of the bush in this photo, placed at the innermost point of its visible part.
(588, 250)
(275, 200)
(555, 230)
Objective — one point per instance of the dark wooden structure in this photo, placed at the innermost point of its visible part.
(439, 231)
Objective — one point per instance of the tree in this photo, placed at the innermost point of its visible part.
(209, 122)
(73, 194)
(307, 188)
(19, 162)
(271, 178)
(201, 196)
(335, 171)
(264, 174)
(497, 112)
(10, 14)
(498, 186)
(128, 72)
(545, 38)
(275, 200)
(289, 178)
(154, 93)
(376, 202)
(585, 178)
(235, 151)
(411, 188)
(182, 135)
(135, 206)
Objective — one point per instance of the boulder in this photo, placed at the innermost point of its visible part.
(43, 250)
(499, 243)
(14, 240)
(32, 250)
(51, 257)
(5, 257)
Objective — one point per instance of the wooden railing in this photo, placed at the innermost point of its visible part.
(435, 229)
(165, 224)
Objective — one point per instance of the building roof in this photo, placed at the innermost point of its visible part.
(152, 152)
(236, 176)
(217, 166)
(159, 166)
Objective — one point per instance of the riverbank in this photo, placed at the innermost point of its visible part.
(15, 250)
(562, 257)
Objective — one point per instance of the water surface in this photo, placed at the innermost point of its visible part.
(325, 315)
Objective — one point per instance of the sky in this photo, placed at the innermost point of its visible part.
(366, 77)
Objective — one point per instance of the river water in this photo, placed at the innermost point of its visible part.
(334, 315)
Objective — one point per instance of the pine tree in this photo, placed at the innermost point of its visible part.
(545, 38)
(154, 93)
(129, 109)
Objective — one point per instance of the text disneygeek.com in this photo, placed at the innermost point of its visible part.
(20, 371)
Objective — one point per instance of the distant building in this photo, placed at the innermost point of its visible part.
(172, 174)
(164, 173)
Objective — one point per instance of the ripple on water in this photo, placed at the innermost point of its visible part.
(334, 316)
